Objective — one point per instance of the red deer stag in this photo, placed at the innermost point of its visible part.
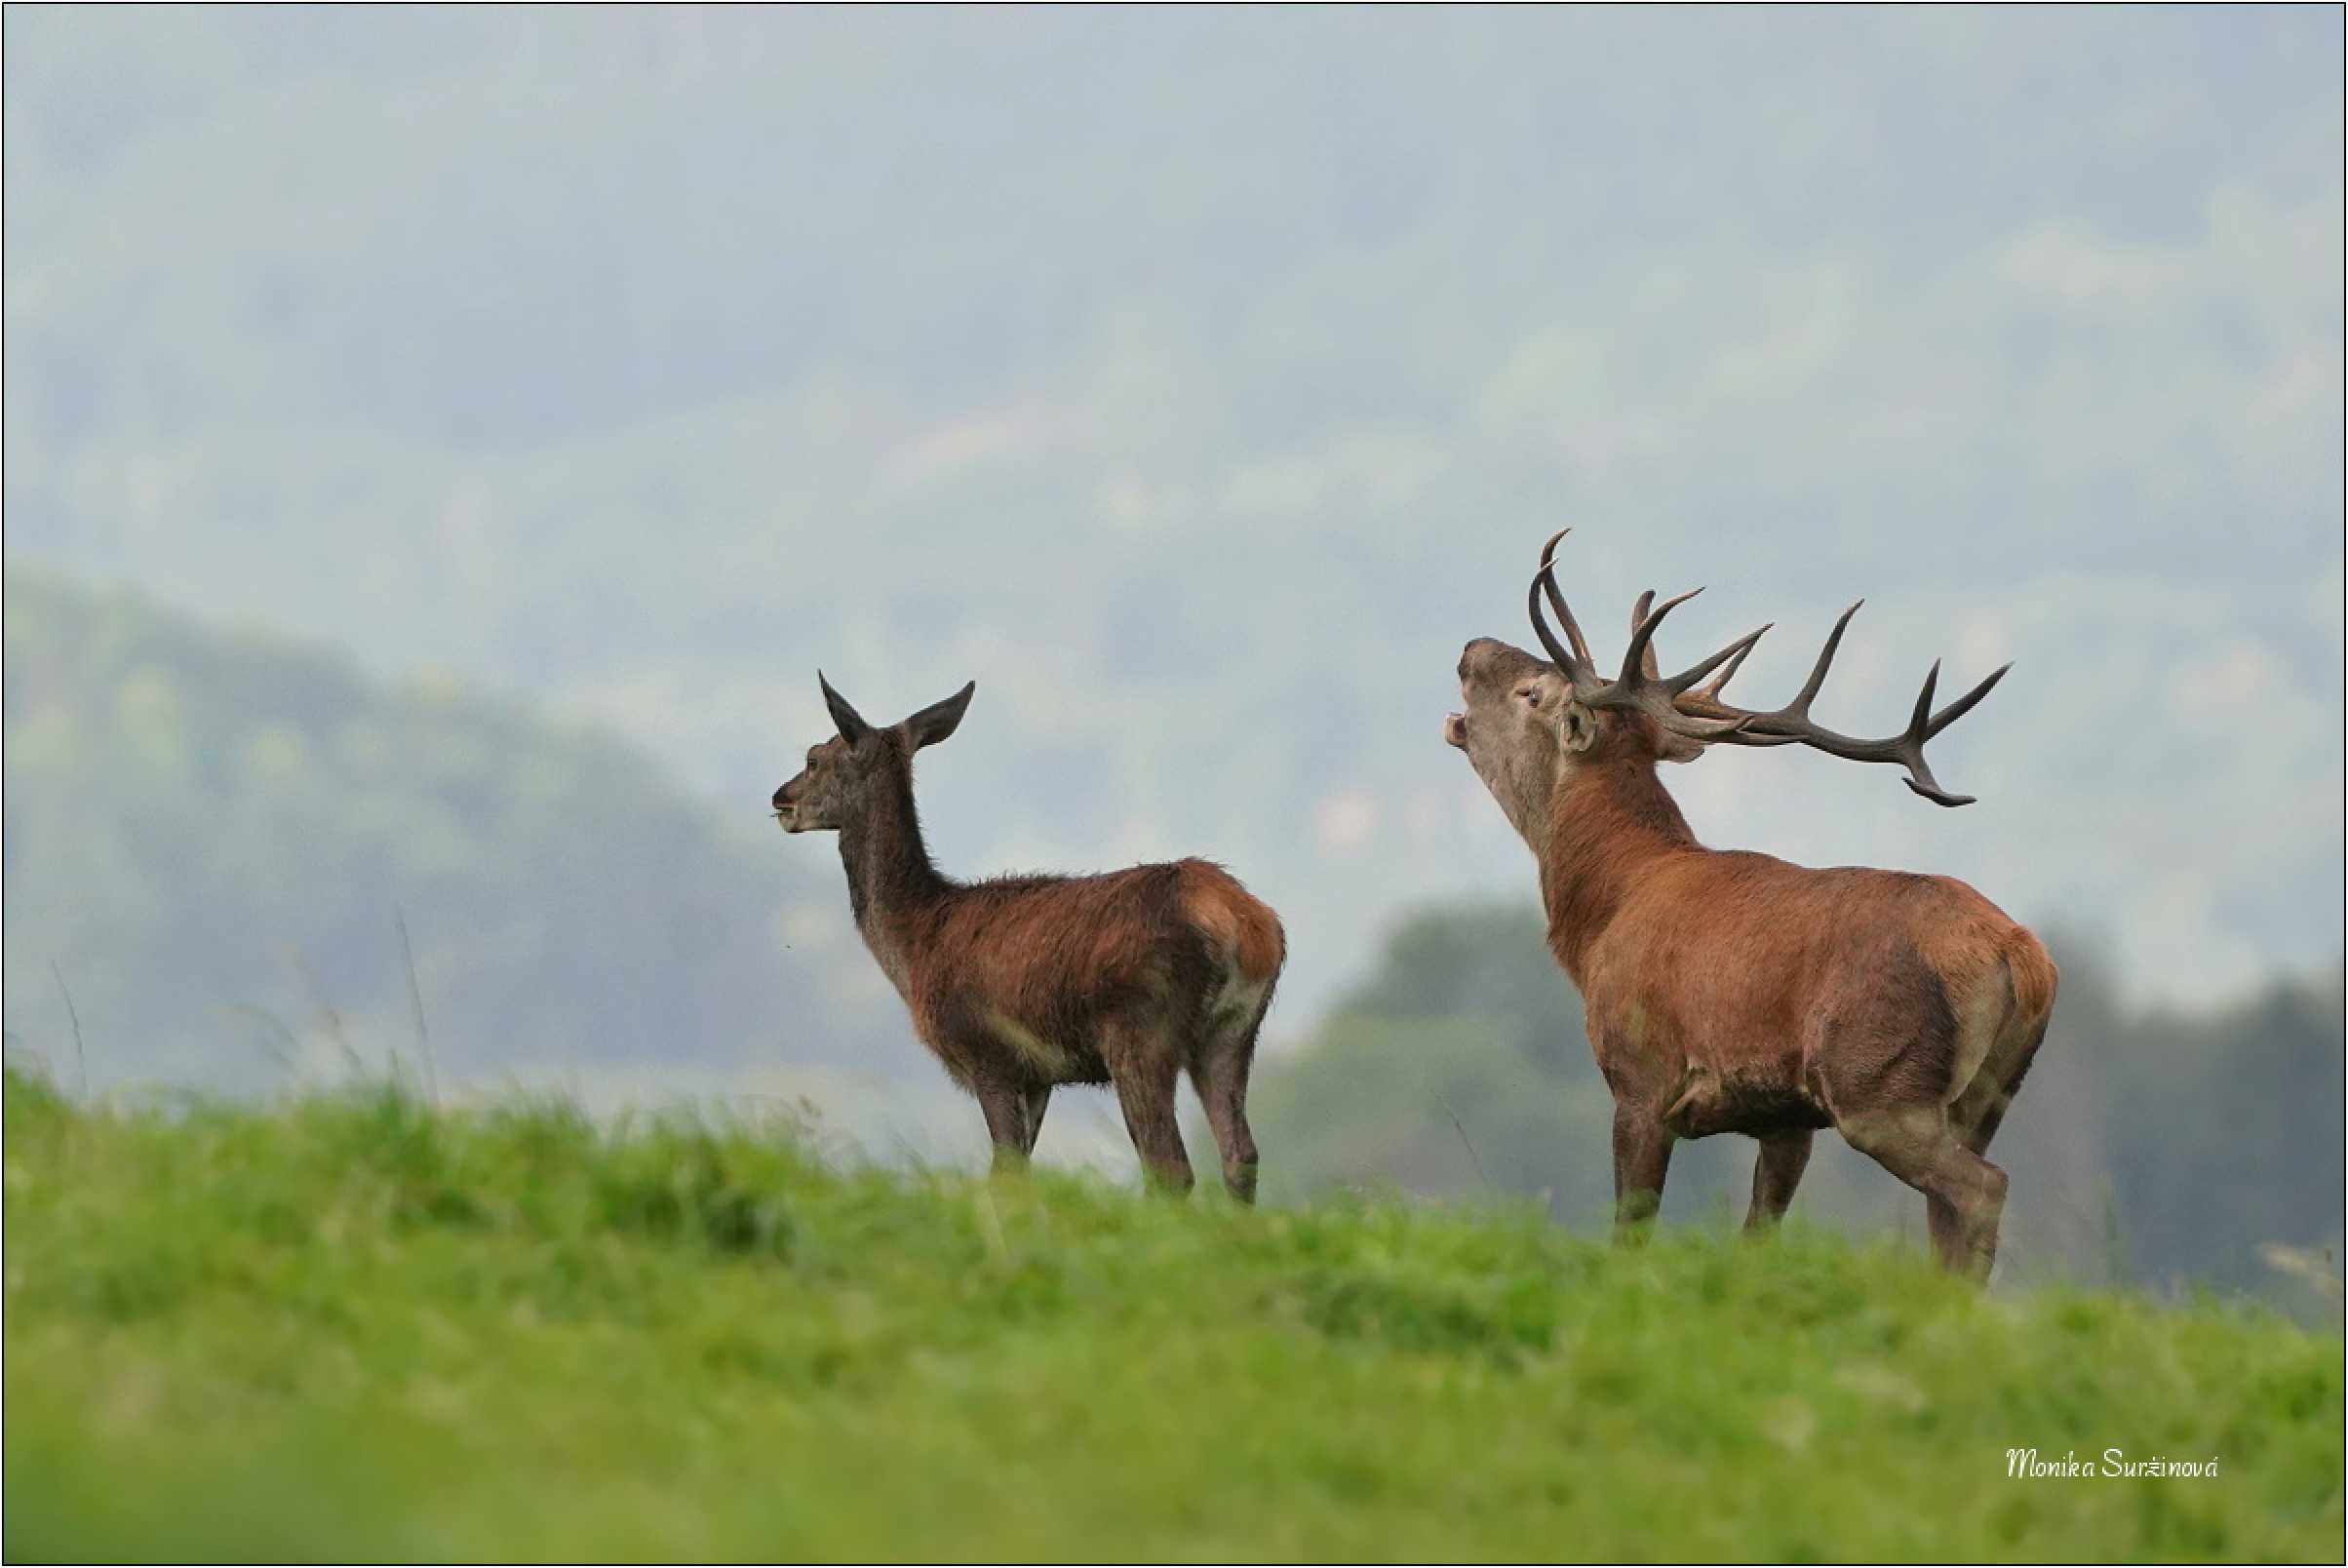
(1728, 992)
(1024, 983)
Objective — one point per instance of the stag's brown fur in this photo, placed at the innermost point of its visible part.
(1021, 984)
(1730, 992)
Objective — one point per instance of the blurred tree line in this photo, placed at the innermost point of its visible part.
(213, 842)
(2150, 1146)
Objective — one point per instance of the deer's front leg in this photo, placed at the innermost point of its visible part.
(1642, 1159)
(1007, 1113)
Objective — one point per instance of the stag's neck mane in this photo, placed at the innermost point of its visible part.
(890, 874)
(1610, 821)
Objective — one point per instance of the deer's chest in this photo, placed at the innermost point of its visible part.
(888, 950)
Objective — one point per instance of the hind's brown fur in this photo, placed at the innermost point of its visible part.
(1021, 984)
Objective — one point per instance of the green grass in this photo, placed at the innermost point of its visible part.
(353, 1327)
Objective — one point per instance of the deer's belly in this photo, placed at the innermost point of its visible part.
(994, 1045)
(1757, 1099)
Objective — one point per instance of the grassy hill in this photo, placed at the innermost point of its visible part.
(354, 1327)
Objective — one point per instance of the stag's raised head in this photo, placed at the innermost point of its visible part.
(1531, 722)
(1519, 729)
(844, 774)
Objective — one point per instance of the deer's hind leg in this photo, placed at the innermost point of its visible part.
(1982, 1108)
(1965, 1194)
(1974, 1118)
(1145, 1065)
(1009, 1127)
(2008, 1043)
(1890, 1067)
(1038, 1101)
(1219, 1067)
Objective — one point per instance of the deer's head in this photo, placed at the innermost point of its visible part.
(1530, 722)
(1522, 728)
(845, 775)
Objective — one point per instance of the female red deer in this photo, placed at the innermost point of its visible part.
(1024, 983)
(1728, 992)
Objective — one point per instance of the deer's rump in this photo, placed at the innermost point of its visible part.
(1778, 993)
(1040, 976)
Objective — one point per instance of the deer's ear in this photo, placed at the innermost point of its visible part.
(1577, 727)
(852, 727)
(939, 720)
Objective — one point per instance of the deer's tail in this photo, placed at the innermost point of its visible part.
(1238, 927)
(2033, 976)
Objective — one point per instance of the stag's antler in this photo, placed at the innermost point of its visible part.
(1637, 688)
(1698, 712)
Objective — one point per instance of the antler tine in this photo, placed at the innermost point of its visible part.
(1633, 675)
(1791, 724)
(1565, 615)
(1658, 697)
(1642, 630)
(1964, 704)
(1635, 688)
(1642, 635)
(1922, 713)
(1733, 654)
(1710, 690)
(1577, 669)
(1781, 726)
(1924, 725)
(1677, 723)
(1799, 707)
(1662, 698)
(1908, 748)
(1795, 713)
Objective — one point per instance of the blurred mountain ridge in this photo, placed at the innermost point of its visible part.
(1199, 384)
(233, 865)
